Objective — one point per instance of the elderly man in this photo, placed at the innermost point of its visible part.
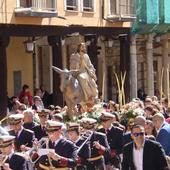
(163, 129)
(29, 119)
(143, 154)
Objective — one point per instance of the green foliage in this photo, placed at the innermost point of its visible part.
(126, 116)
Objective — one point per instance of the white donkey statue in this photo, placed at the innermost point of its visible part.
(71, 89)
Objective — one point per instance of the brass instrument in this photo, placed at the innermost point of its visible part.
(33, 152)
(4, 119)
(3, 159)
(86, 137)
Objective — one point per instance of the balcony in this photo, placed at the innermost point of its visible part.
(122, 10)
(36, 8)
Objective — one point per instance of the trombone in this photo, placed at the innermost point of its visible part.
(86, 137)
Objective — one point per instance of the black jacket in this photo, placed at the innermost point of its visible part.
(17, 162)
(39, 132)
(67, 150)
(153, 157)
(26, 137)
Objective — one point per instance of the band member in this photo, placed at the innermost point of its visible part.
(39, 130)
(23, 137)
(57, 117)
(98, 144)
(65, 151)
(11, 160)
(73, 132)
(115, 139)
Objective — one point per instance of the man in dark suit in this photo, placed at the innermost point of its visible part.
(114, 137)
(83, 152)
(12, 160)
(98, 144)
(143, 154)
(39, 130)
(64, 154)
(23, 137)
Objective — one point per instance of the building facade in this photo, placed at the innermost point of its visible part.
(56, 27)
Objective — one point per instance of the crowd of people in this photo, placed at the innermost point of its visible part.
(99, 136)
(135, 136)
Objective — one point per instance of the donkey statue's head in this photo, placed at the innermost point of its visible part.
(65, 77)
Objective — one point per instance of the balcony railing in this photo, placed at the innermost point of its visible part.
(40, 8)
(122, 10)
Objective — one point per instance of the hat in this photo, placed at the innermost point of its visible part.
(72, 126)
(106, 116)
(51, 107)
(148, 99)
(135, 100)
(88, 123)
(43, 112)
(6, 140)
(58, 116)
(15, 119)
(53, 125)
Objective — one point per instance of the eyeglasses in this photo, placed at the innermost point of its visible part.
(138, 134)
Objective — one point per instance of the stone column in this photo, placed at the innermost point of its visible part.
(4, 41)
(150, 72)
(55, 42)
(133, 68)
(165, 62)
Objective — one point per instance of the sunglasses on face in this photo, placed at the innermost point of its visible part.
(138, 134)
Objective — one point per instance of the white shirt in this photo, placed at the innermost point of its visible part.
(19, 132)
(10, 155)
(57, 141)
(138, 157)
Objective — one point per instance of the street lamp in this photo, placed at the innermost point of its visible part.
(29, 45)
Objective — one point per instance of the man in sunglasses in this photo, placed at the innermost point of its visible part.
(143, 154)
